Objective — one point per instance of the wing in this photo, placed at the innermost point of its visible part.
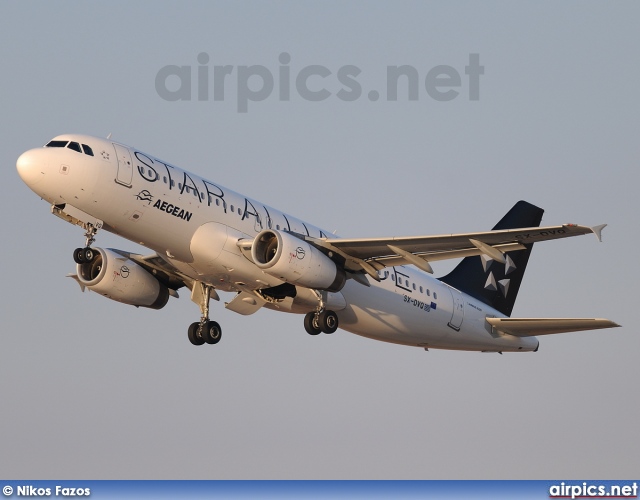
(167, 274)
(373, 254)
(531, 327)
(160, 268)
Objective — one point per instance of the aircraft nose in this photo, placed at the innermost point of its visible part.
(30, 167)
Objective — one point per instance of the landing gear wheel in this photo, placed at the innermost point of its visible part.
(88, 254)
(328, 321)
(78, 256)
(83, 255)
(311, 324)
(194, 338)
(212, 333)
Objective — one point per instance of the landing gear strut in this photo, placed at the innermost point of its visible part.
(86, 254)
(322, 320)
(205, 331)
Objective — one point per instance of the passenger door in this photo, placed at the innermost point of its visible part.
(125, 165)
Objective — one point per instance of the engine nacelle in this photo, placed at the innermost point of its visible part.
(119, 278)
(295, 261)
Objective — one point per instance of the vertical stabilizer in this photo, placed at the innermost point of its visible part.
(492, 282)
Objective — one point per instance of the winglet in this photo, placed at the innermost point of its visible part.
(597, 230)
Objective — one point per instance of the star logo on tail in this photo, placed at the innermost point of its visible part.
(492, 284)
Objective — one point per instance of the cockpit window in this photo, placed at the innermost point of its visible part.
(56, 144)
(71, 145)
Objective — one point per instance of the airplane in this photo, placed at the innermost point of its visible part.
(208, 238)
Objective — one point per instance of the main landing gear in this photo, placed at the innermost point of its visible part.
(205, 331)
(322, 320)
(86, 254)
(210, 333)
(316, 323)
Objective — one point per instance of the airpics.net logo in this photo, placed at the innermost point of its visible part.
(590, 490)
(314, 82)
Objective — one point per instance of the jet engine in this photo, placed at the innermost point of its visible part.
(295, 261)
(121, 279)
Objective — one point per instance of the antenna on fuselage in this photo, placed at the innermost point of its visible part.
(109, 136)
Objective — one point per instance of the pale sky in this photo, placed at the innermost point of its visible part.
(94, 389)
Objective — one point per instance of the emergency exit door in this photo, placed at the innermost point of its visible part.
(458, 309)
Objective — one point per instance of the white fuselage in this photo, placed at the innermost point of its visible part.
(194, 224)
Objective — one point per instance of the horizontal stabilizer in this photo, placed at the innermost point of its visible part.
(532, 327)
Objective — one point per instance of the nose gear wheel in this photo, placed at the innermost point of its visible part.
(86, 254)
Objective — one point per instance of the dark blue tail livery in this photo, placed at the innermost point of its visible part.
(492, 282)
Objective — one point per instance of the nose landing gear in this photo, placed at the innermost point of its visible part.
(86, 254)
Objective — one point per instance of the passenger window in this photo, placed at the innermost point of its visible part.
(428, 292)
(435, 295)
(87, 150)
(239, 211)
(180, 186)
(406, 283)
(232, 209)
(164, 179)
(57, 144)
(420, 289)
(217, 202)
(393, 277)
(75, 146)
(173, 183)
(413, 285)
(278, 227)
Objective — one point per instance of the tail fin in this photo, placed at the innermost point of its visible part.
(491, 282)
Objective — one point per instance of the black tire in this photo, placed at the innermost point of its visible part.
(78, 256)
(212, 333)
(88, 254)
(193, 334)
(311, 325)
(328, 321)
